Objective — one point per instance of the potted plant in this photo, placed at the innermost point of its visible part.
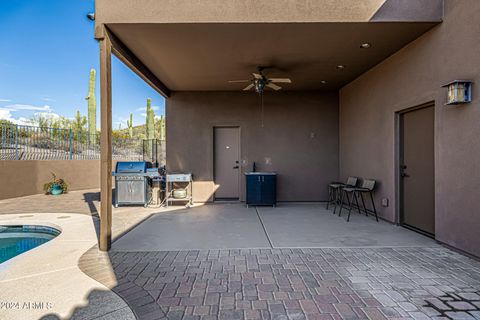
(56, 186)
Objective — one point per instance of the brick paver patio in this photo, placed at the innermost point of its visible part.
(327, 283)
(348, 283)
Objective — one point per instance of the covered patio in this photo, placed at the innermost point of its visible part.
(190, 55)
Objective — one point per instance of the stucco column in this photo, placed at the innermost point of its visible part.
(105, 238)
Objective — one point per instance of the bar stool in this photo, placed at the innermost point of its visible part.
(334, 191)
(367, 187)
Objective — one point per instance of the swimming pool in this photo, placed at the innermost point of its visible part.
(15, 240)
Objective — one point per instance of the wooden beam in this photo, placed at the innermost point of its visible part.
(121, 51)
(105, 238)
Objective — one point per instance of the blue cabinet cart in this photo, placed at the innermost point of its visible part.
(261, 188)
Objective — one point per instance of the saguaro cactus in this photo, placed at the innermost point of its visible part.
(161, 130)
(78, 124)
(130, 126)
(150, 121)
(92, 105)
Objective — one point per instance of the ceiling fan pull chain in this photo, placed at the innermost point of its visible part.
(263, 110)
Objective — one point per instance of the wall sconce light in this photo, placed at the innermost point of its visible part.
(459, 91)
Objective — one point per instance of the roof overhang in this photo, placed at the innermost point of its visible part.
(200, 45)
(266, 11)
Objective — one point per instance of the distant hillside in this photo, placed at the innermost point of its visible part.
(139, 132)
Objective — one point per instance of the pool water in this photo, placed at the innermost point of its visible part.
(15, 240)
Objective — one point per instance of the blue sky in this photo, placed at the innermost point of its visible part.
(46, 52)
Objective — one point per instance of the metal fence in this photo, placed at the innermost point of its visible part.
(19, 142)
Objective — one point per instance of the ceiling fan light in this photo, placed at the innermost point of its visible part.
(259, 85)
(340, 67)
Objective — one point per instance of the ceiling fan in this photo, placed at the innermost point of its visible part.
(259, 82)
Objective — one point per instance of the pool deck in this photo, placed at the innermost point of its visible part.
(48, 276)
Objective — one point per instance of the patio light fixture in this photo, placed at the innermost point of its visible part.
(365, 45)
(459, 92)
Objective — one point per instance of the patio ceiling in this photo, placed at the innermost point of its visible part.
(204, 56)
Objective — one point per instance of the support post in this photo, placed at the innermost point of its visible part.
(105, 143)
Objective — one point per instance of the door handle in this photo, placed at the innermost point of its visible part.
(403, 174)
(236, 167)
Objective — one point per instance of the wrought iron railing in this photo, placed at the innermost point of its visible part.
(20, 142)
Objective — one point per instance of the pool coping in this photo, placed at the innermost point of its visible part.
(51, 269)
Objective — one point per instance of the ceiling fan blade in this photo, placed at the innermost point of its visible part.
(273, 86)
(250, 86)
(238, 81)
(257, 76)
(280, 80)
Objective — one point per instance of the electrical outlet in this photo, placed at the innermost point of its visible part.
(385, 202)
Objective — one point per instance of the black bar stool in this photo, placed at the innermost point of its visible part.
(367, 187)
(334, 191)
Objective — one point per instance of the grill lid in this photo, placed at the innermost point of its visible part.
(131, 167)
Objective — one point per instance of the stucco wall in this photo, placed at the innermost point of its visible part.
(241, 11)
(22, 178)
(300, 137)
(411, 77)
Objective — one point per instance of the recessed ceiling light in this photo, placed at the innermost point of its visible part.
(340, 67)
(365, 45)
(323, 82)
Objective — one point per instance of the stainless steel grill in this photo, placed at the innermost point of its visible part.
(131, 183)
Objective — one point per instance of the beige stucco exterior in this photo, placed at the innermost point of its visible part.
(26, 177)
(299, 139)
(265, 11)
(411, 77)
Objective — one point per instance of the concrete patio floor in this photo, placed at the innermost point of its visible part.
(233, 226)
